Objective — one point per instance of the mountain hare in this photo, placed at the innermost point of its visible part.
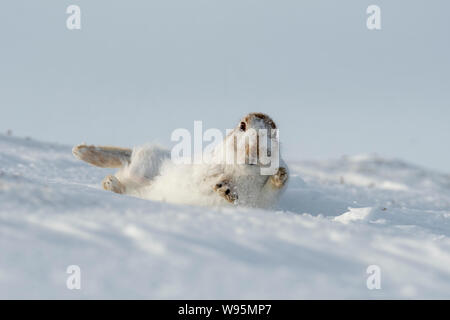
(149, 172)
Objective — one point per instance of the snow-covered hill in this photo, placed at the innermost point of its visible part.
(336, 219)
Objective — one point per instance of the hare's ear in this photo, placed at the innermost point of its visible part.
(104, 157)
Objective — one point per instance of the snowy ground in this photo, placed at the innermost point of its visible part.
(337, 219)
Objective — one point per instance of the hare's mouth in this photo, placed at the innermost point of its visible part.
(252, 164)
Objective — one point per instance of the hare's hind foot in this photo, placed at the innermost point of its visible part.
(225, 190)
(113, 184)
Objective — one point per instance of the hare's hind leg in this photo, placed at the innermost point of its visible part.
(104, 157)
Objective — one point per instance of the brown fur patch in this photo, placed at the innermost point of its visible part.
(262, 116)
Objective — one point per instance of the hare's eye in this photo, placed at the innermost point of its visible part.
(243, 126)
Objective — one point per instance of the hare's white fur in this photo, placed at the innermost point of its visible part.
(148, 172)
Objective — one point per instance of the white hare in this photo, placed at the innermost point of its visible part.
(148, 172)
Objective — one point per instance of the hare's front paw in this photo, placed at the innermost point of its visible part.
(225, 190)
(279, 179)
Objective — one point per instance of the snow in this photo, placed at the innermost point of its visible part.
(336, 218)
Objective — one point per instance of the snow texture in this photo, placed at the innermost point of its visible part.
(335, 219)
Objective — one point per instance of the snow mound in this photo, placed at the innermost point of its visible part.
(335, 219)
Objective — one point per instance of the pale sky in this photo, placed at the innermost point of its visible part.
(139, 69)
